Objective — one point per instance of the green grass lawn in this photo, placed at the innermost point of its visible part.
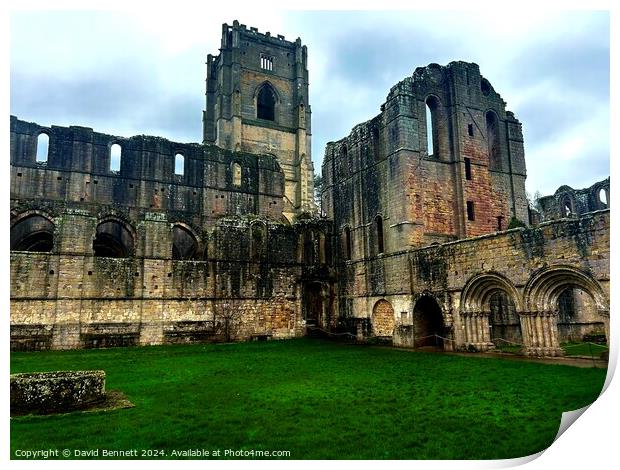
(314, 398)
(584, 349)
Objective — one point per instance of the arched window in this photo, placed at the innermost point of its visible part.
(495, 160)
(432, 132)
(602, 197)
(112, 240)
(236, 174)
(567, 207)
(184, 244)
(32, 233)
(343, 151)
(115, 157)
(43, 142)
(266, 104)
(179, 164)
(379, 227)
(346, 243)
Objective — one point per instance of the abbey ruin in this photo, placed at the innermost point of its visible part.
(424, 236)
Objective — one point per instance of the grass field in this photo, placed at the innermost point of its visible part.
(584, 349)
(314, 398)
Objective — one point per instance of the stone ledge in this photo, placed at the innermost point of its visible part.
(48, 392)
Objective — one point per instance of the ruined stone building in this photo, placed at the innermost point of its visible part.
(126, 241)
(568, 202)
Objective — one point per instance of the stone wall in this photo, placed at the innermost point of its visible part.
(385, 169)
(447, 288)
(103, 258)
(569, 202)
(78, 170)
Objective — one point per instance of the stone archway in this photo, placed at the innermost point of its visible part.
(504, 321)
(428, 323)
(313, 304)
(382, 319)
(543, 294)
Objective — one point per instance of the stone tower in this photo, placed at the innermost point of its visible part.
(257, 102)
(444, 160)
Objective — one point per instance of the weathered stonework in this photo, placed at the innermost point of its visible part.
(47, 392)
(146, 256)
(249, 63)
(421, 227)
(218, 241)
(568, 202)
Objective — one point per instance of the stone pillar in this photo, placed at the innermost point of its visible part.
(528, 330)
(544, 341)
(486, 335)
(477, 330)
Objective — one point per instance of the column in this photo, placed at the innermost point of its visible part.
(553, 346)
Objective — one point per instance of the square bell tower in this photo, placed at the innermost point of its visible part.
(257, 102)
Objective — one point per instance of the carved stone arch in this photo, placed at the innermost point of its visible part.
(479, 288)
(266, 101)
(186, 243)
(382, 319)
(263, 84)
(545, 286)
(18, 214)
(489, 310)
(33, 230)
(114, 237)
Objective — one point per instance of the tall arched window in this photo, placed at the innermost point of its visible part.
(567, 206)
(236, 174)
(179, 164)
(495, 161)
(266, 104)
(432, 133)
(602, 197)
(43, 142)
(379, 227)
(346, 243)
(115, 157)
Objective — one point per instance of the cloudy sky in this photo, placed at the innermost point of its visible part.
(143, 72)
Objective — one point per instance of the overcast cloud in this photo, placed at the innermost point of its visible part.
(143, 73)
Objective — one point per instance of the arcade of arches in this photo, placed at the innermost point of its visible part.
(556, 305)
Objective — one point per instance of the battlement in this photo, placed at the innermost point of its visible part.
(253, 32)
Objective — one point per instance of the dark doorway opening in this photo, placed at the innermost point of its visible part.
(428, 324)
(313, 304)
